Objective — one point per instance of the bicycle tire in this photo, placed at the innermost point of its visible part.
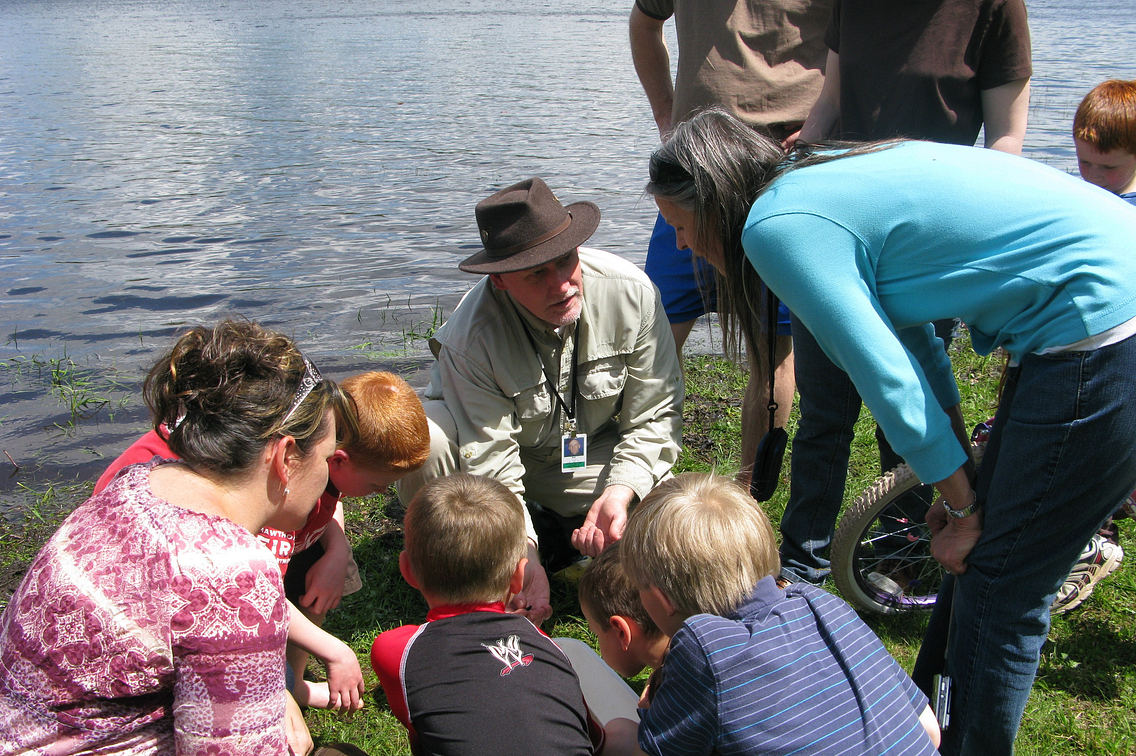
(897, 581)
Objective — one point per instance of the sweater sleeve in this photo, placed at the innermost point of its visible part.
(825, 274)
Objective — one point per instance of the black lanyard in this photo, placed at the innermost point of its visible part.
(570, 411)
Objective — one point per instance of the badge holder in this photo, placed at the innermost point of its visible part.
(573, 452)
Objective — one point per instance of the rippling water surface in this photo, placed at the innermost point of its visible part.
(314, 166)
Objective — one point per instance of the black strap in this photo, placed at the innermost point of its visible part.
(771, 348)
(569, 409)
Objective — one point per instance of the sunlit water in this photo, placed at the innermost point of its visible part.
(314, 166)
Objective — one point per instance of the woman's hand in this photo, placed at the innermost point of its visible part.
(952, 539)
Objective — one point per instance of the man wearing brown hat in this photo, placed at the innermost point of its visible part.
(557, 343)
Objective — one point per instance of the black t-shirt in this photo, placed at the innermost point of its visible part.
(491, 683)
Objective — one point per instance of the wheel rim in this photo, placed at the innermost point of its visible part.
(893, 563)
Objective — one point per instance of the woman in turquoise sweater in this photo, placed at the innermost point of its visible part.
(868, 245)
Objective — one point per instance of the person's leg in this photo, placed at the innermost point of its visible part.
(1064, 460)
(829, 407)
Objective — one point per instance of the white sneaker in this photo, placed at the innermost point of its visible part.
(1100, 559)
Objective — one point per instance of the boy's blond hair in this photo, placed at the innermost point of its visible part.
(393, 434)
(703, 541)
(464, 536)
(1106, 118)
(608, 591)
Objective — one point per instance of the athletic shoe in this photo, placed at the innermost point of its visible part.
(1129, 505)
(1100, 559)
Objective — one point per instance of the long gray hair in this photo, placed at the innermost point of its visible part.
(716, 167)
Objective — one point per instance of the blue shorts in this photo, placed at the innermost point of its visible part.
(687, 294)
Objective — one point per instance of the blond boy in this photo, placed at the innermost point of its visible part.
(751, 667)
(473, 678)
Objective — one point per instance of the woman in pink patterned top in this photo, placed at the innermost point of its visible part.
(154, 621)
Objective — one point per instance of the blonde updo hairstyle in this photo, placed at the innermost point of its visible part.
(223, 393)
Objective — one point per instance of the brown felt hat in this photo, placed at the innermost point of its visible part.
(524, 225)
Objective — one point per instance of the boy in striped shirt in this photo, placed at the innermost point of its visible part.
(754, 668)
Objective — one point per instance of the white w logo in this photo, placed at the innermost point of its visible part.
(508, 652)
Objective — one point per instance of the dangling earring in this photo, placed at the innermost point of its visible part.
(286, 490)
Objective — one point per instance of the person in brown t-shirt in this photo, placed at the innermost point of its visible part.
(764, 61)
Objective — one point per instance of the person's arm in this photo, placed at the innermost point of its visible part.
(953, 538)
(653, 66)
(931, 725)
(1005, 111)
(650, 425)
(803, 258)
(325, 579)
(622, 738)
(344, 676)
(825, 113)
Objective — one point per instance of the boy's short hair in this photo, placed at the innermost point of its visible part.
(1106, 118)
(393, 435)
(464, 535)
(702, 540)
(608, 591)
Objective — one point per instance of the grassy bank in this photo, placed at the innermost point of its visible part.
(1084, 701)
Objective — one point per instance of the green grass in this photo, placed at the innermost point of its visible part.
(1084, 701)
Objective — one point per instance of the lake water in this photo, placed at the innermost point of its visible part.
(314, 166)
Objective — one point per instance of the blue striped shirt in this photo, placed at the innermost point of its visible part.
(791, 672)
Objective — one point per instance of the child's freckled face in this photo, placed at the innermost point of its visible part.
(1114, 170)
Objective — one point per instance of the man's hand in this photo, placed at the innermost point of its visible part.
(605, 521)
(323, 585)
(295, 728)
(534, 599)
(952, 539)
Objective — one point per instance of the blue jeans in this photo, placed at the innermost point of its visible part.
(1059, 459)
(829, 407)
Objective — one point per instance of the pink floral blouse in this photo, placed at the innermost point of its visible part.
(145, 628)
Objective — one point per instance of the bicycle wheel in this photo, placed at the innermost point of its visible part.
(881, 554)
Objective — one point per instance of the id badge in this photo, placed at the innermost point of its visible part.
(573, 452)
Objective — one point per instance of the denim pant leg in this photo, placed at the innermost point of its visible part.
(1063, 459)
(829, 407)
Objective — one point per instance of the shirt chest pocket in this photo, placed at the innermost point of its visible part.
(534, 412)
(603, 379)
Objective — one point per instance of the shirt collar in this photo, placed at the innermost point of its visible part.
(453, 610)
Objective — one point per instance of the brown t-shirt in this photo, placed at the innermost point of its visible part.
(916, 68)
(761, 59)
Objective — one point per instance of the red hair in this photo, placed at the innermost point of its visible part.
(1106, 118)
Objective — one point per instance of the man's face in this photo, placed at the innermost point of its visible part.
(551, 291)
(1114, 170)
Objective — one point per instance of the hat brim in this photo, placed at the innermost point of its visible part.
(585, 221)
